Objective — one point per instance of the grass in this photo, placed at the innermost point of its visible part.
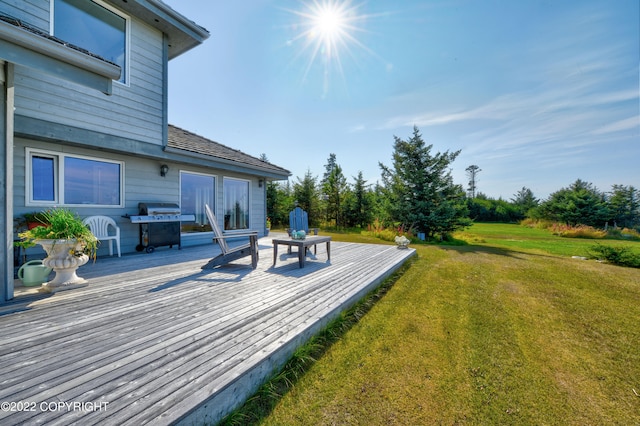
(541, 241)
(508, 329)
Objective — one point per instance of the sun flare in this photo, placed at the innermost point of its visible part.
(330, 23)
(326, 32)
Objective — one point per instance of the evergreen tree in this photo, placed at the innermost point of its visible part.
(380, 201)
(305, 193)
(579, 204)
(420, 189)
(328, 168)
(624, 205)
(485, 209)
(279, 203)
(272, 201)
(524, 201)
(359, 203)
(334, 186)
(472, 173)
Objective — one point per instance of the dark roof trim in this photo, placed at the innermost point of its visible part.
(222, 164)
(23, 46)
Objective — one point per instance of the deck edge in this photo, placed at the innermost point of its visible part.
(235, 393)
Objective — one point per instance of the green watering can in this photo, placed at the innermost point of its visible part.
(33, 273)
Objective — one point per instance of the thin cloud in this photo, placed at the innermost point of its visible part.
(357, 128)
(555, 111)
(619, 126)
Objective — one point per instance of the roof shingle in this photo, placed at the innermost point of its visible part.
(187, 141)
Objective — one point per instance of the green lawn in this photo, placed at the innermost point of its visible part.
(508, 329)
(521, 238)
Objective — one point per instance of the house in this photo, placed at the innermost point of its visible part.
(83, 122)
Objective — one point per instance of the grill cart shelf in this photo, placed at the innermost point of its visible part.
(159, 225)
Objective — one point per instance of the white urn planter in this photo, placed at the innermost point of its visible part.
(64, 257)
(402, 242)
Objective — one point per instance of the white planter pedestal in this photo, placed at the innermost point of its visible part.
(62, 258)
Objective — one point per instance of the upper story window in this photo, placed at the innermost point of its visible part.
(54, 178)
(95, 27)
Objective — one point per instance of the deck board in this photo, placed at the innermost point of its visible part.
(164, 342)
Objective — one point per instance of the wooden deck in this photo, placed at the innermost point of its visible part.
(154, 339)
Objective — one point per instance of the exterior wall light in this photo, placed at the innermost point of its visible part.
(164, 169)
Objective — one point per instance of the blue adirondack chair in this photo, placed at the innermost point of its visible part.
(299, 221)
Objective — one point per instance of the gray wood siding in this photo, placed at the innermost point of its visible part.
(133, 111)
(35, 12)
(142, 183)
(257, 218)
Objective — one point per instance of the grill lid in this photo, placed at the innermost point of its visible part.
(155, 209)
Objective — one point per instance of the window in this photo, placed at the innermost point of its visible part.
(196, 190)
(91, 182)
(44, 172)
(236, 204)
(55, 178)
(93, 26)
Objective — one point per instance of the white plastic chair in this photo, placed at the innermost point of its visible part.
(99, 226)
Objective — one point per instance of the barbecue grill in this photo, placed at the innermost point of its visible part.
(159, 225)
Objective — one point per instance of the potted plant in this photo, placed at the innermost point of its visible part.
(31, 220)
(28, 221)
(268, 225)
(68, 243)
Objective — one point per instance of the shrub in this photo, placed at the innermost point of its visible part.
(622, 256)
(377, 230)
(630, 234)
(578, 231)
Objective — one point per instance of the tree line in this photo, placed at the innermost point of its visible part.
(417, 193)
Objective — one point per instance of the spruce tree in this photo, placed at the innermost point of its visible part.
(420, 190)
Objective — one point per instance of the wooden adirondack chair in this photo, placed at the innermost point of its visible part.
(229, 254)
(299, 221)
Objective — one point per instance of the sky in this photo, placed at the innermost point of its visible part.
(536, 93)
